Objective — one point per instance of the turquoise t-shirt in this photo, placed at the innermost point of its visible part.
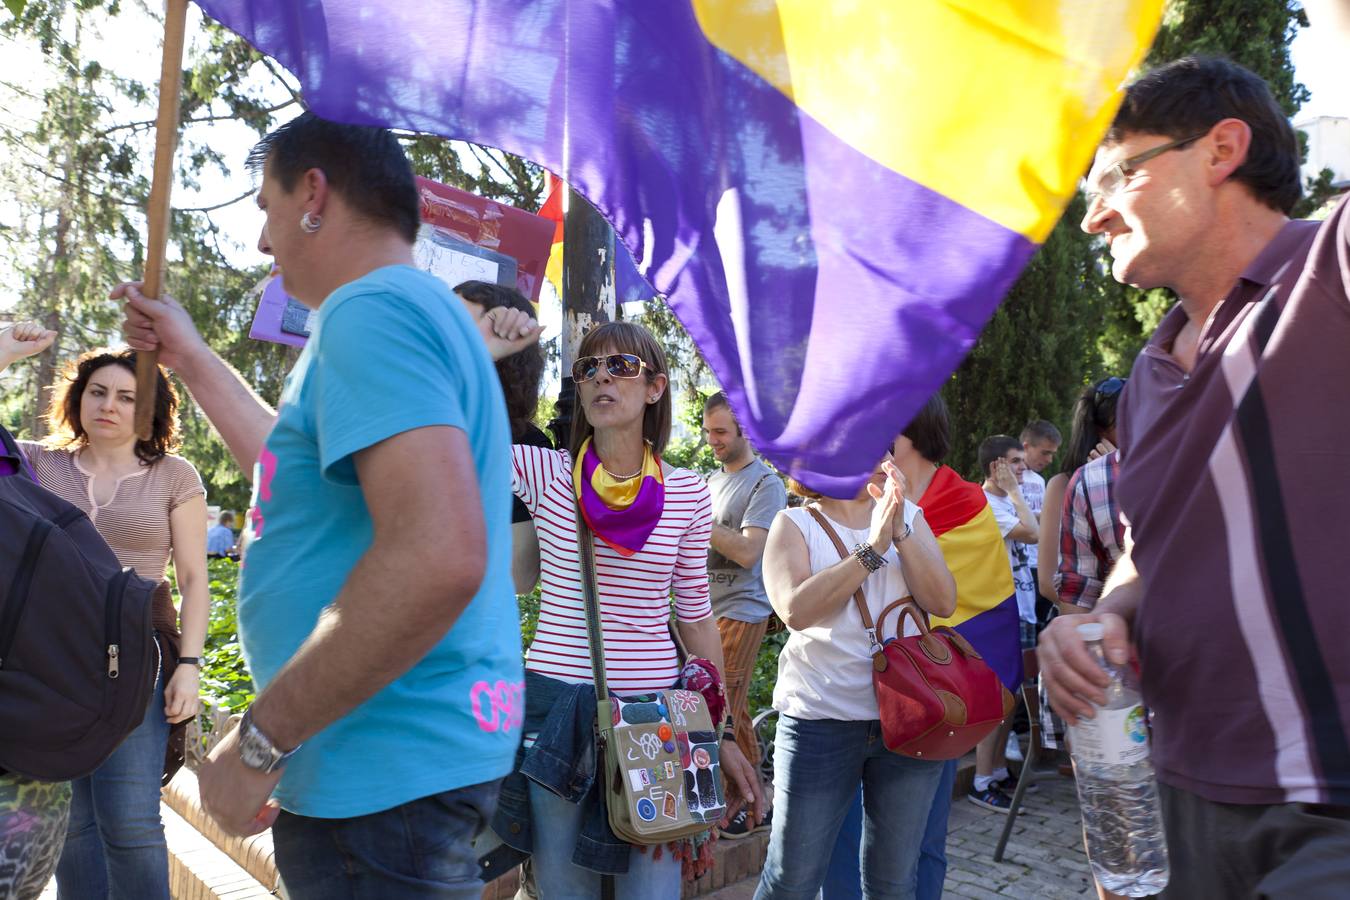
(392, 351)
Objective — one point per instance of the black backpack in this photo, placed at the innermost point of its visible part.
(78, 659)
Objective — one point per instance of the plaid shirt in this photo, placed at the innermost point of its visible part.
(1091, 532)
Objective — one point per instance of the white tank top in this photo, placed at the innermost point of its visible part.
(825, 671)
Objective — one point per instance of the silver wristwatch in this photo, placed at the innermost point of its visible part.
(256, 749)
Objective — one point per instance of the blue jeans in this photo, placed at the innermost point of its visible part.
(556, 826)
(420, 850)
(115, 841)
(817, 766)
(843, 879)
(933, 850)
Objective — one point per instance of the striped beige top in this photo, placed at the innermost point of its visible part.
(135, 522)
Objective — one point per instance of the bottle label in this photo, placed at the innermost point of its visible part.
(1116, 737)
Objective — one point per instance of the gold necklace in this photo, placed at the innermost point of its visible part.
(624, 477)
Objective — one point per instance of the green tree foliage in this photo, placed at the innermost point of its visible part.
(76, 174)
(1037, 348)
(1253, 33)
(225, 677)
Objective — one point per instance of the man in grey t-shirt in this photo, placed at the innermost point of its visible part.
(746, 495)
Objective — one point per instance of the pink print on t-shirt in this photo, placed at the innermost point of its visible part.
(507, 705)
(264, 470)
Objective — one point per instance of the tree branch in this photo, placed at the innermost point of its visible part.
(487, 161)
(295, 95)
(233, 117)
(61, 178)
(206, 209)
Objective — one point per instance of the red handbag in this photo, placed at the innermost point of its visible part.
(937, 696)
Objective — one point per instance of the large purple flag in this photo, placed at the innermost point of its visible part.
(834, 198)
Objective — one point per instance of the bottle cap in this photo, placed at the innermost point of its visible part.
(1091, 631)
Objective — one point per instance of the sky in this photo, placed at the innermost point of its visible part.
(1319, 61)
(1316, 55)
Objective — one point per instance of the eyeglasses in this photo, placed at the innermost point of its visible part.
(1109, 387)
(1116, 177)
(619, 365)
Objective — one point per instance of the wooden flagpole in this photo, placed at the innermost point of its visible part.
(157, 211)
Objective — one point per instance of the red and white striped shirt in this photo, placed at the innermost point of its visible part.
(634, 591)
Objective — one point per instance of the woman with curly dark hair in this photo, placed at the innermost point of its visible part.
(520, 375)
(149, 505)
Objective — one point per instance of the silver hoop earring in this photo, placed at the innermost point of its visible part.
(310, 224)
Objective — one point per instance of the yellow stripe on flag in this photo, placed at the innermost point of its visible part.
(978, 560)
(995, 104)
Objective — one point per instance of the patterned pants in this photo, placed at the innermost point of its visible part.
(33, 818)
(740, 648)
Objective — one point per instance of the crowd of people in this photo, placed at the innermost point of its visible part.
(399, 745)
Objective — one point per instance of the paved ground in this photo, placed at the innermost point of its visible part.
(1044, 859)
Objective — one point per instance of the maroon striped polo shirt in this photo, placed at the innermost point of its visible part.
(1236, 482)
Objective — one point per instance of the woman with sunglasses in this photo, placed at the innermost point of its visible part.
(1093, 436)
(651, 524)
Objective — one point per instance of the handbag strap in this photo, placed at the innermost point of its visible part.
(755, 490)
(859, 597)
(595, 634)
(595, 639)
(906, 604)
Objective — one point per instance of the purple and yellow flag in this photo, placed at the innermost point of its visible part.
(833, 196)
(986, 604)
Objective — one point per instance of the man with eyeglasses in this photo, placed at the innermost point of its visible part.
(1233, 437)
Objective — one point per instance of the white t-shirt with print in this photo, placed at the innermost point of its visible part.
(1006, 516)
(825, 671)
(1033, 491)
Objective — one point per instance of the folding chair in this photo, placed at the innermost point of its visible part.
(1030, 681)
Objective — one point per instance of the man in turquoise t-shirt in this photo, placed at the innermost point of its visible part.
(376, 607)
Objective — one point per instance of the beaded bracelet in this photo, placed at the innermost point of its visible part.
(870, 559)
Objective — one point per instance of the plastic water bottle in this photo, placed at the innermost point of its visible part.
(1122, 820)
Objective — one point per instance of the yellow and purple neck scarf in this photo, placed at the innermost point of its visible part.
(622, 513)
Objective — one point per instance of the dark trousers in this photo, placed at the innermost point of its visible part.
(421, 850)
(1286, 851)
